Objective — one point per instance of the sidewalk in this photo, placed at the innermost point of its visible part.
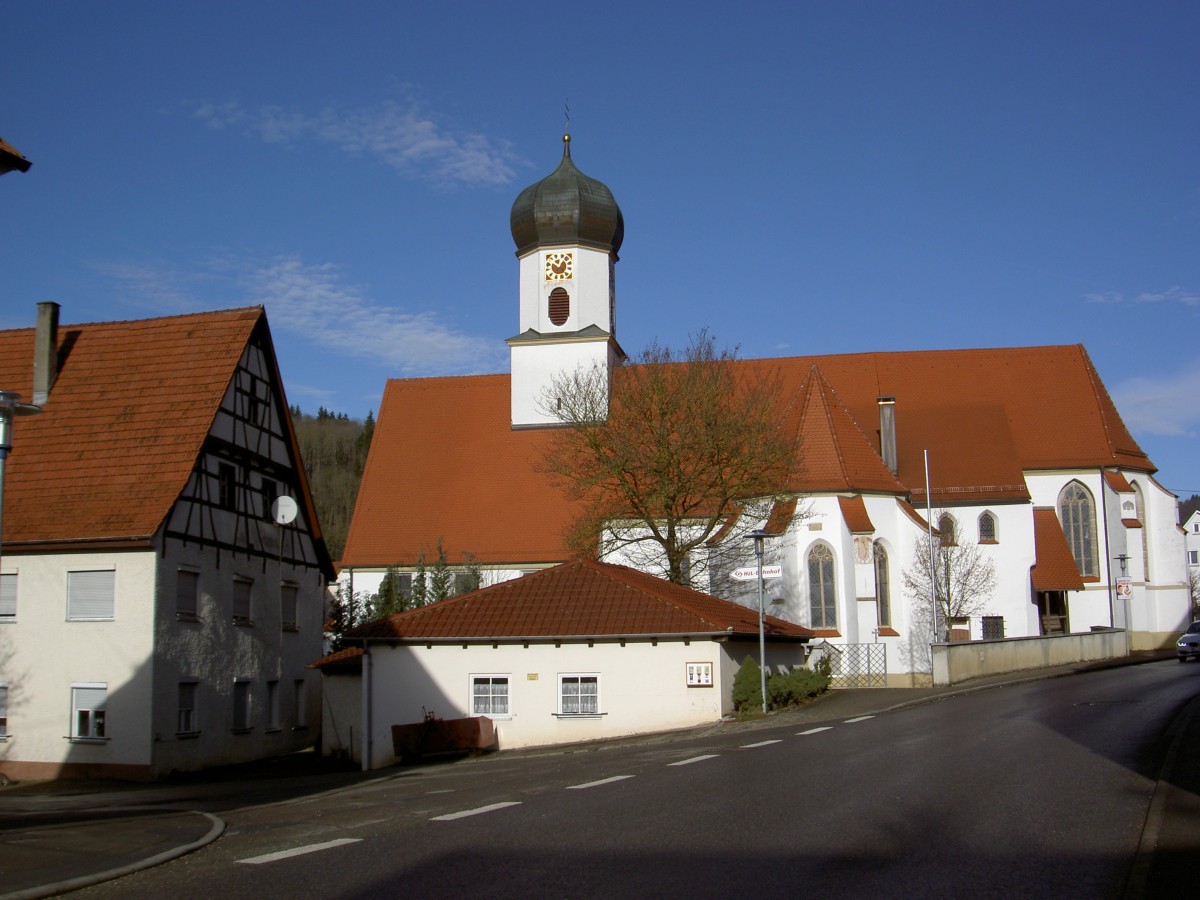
(60, 836)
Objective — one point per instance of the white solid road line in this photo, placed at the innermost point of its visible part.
(684, 762)
(475, 812)
(592, 784)
(298, 851)
(761, 744)
(815, 730)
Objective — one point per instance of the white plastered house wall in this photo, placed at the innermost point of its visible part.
(55, 655)
(642, 688)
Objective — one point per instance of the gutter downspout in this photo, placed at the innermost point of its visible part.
(366, 738)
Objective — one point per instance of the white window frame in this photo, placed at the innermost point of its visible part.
(4, 733)
(1194, 557)
(491, 679)
(92, 595)
(243, 704)
(8, 596)
(243, 611)
(289, 606)
(84, 697)
(565, 679)
(186, 716)
(183, 579)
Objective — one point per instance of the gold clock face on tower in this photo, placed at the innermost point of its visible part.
(560, 266)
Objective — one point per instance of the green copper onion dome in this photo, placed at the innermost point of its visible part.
(566, 207)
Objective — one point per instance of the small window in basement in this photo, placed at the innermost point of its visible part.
(560, 305)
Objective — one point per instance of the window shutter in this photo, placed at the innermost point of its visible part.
(91, 595)
(8, 596)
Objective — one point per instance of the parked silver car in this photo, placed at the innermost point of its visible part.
(1188, 645)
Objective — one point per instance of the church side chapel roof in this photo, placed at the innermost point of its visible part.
(117, 439)
(985, 416)
(577, 599)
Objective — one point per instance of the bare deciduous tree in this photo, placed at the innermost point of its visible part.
(674, 459)
(963, 574)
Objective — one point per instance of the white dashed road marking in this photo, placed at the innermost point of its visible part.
(684, 762)
(592, 784)
(298, 851)
(815, 730)
(760, 744)
(475, 812)
(859, 719)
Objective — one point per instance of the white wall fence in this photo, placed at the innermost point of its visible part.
(962, 661)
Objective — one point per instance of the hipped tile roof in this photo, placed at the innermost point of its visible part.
(116, 441)
(445, 462)
(577, 600)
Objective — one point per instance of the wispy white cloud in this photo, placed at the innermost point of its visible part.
(1175, 294)
(1161, 404)
(313, 301)
(400, 136)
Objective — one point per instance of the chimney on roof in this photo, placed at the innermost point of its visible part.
(887, 431)
(45, 351)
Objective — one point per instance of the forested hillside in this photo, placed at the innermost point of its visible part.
(334, 448)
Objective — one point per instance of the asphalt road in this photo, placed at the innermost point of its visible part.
(1039, 789)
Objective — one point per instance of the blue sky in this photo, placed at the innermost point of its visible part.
(800, 177)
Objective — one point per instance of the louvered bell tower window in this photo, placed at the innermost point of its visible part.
(560, 305)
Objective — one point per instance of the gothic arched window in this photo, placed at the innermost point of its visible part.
(822, 594)
(987, 528)
(883, 590)
(1077, 513)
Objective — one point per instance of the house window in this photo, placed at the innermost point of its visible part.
(579, 695)
(489, 695)
(8, 596)
(946, 531)
(464, 582)
(91, 596)
(241, 601)
(883, 590)
(1078, 517)
(1194, 557)
(560, 305)
(822, 596)
(300, 695)
(88, 712)
(3, 712)
(226, 486)
(241, 705)
(187, 590)
(186, 722)
(270, 493)
(987, 528)
(287, 607)
(272, 706)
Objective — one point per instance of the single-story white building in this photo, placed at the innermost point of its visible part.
(581, 651)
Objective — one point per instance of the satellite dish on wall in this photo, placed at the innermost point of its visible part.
(284, 510)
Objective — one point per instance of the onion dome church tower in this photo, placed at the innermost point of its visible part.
(568, 230)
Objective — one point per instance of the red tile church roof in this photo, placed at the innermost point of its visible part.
(446, 464)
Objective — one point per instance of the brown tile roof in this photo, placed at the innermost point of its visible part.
(1118, 482)
(854, 514)
(345, 662)
(117, 438)
(445, 462)
(1055, 569)
(577, 599)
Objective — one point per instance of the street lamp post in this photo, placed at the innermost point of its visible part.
(759, 536)
(10, 405)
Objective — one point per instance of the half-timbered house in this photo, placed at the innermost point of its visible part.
(163, 575)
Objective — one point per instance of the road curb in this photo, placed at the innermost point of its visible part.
(75, 884)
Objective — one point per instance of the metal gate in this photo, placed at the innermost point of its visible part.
(858, 665)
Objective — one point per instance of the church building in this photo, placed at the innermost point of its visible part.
(1016, 454)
